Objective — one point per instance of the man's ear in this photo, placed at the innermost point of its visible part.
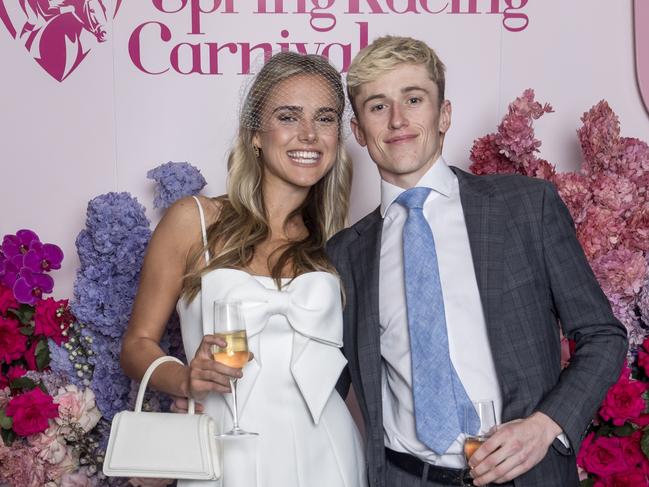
(358, 132)
(445, 112)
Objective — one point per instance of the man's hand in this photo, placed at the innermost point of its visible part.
(513, 449)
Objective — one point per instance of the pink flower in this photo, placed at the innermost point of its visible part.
(630, 479)
(634, 158)
(50, 446)
(76, 407)
(80, 478)
(30, 356)
(15, 372)
(48, 319)
(614, 192)
(600, 138)
(31, 411)
(12, 343)
(637, 229)
(7, 300)
(487, 159)
(633, 455)
(30, 286)
(600, 230)
(21, 466)
(574, 191)
(624, 400)
(601, 455)
(621, 271)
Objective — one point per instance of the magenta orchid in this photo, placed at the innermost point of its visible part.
(30, 286)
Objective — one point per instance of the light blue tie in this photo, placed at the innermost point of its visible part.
(440, 399)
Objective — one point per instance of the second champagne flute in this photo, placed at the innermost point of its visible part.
(230, 326)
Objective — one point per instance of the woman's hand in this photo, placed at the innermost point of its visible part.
(181, 405)
(205, 374)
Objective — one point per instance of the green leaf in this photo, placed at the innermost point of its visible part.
(624, 430)
(24, 313)
(644, 443)
(24, 383)
(8, 436)
(42, 353)
(587, 483)
(27, 330)
(6, 422)
(604, 430)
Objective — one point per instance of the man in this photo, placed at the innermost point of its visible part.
(454, 290)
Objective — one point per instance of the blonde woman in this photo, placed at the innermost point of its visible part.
(263, 244)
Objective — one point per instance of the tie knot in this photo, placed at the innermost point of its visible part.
(413, 197)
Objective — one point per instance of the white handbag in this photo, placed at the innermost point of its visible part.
(162, 445)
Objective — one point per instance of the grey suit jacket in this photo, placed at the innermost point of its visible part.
(531, 273)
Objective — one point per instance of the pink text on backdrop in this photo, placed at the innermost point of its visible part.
(323, 19)
(206, 57)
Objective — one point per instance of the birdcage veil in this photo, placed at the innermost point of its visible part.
(267, 98)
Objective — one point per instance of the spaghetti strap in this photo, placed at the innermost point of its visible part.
(203, 230)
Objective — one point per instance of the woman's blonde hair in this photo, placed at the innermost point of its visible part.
(242, 221)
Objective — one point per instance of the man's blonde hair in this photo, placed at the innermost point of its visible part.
(384, 54)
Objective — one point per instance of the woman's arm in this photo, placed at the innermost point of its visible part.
(165, 263)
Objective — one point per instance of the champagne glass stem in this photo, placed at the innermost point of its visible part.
(235, 412)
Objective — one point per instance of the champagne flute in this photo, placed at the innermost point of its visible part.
(230, 326)
(487, 416)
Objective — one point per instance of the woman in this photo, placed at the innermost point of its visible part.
(263, 244)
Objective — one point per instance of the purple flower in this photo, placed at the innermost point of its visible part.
(30, 286)
(18, 244)
(43, 257)
(175, 180)
(9, 269)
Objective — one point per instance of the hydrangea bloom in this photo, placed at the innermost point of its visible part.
(174, 181)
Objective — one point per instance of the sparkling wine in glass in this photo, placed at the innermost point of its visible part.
(230, 326)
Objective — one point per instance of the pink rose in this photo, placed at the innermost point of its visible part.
(15, 372)
(633, 455)
(632, 479)
(7, 300)
(51, 448)
(30, 356)
(31, 411)
(601, 456)
(624, 400)
(12, 343)
(77, 407)
(49, 319)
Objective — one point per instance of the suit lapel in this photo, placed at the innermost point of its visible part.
(485, 217)
(365, 255)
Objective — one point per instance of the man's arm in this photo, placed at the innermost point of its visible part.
(601, 345)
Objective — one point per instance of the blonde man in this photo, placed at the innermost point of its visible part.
(455, 286)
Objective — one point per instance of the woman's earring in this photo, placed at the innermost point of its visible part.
(257, 151)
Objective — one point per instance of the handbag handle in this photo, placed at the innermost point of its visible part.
(147, 376)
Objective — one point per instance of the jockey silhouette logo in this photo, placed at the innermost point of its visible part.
(57, 33)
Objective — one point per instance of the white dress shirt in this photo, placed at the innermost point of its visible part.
(465, 323)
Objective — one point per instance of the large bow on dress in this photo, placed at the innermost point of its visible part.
(311, 303)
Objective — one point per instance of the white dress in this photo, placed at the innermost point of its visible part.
(307, 437)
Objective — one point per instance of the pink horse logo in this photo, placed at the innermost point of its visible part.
(57, 33)
(642, 48)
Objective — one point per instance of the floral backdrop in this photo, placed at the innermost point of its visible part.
(609, 204)
(60, 381)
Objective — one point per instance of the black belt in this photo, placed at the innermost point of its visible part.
(415, 466)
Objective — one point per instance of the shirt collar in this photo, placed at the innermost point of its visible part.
(439, 178)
